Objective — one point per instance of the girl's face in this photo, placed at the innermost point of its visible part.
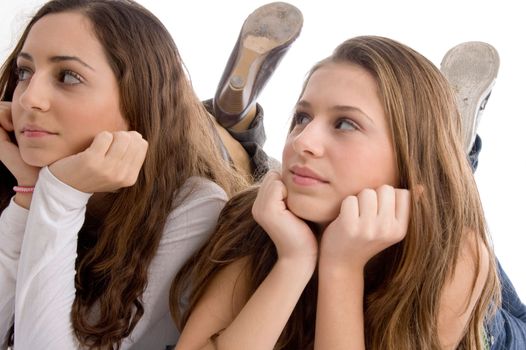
(66, 92)
(340, 143)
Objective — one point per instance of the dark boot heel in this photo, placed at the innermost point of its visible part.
(264, 39)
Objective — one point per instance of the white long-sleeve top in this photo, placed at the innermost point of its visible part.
(38, 248)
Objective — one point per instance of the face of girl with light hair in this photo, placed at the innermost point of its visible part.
(66, 92)
(340, 143)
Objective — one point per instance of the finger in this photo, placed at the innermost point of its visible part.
(368, 203)
(134, 158)
(4, 136)
(135, 148)
(100, 145)
(269, 198)
(403, 206)
(386, 201)
(275, 189)
(268, 181)
(6, 120)
(9, 155)
(272, 175)
(119, 146)
(271, 194)
(350, 209)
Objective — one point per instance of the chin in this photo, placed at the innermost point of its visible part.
(312, 210)
(36, 160)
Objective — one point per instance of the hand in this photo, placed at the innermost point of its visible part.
(368, 223)
(24, 174)
(112, 161)
(291, 235)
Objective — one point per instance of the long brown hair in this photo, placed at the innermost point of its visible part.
(403, 284)
(121, 234)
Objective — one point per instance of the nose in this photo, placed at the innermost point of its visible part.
(34, 94)
(309, 141)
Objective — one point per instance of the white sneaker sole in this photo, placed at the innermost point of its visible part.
(471, 68)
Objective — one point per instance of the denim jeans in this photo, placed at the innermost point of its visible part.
(507, 330)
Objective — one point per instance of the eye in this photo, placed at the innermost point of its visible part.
(301, 118)
(23, 73)
(69, 77)
(346, 124)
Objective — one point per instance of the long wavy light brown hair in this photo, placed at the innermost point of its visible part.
(403, 283)
(121, 234)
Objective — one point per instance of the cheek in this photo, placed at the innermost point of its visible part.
(122, 123)
(115, 120)
(288, 151)
(103, 109)
(106, 117)
(367, 168)
(16, 108)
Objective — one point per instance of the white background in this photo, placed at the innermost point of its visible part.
(205, 32)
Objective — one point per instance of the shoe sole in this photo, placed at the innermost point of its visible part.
(471, 69)
(266, 30)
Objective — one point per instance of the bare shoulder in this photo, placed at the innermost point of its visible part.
(471, 271)
(463, 289)
(232, 283)
(473, 253)
(223, 299)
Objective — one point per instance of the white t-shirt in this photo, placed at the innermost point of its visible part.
(37, 263)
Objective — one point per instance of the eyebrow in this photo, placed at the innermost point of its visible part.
(338, 108)
(57, 59)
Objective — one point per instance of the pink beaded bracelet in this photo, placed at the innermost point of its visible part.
(24, 189)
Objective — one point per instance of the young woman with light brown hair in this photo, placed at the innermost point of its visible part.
(372, 236)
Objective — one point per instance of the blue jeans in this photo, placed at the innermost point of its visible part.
(507, 330)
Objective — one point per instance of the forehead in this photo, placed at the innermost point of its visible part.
(343, 84)
(342, 77)
(66, 33)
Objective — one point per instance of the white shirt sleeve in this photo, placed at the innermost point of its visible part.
(45, 287)
(12, 224)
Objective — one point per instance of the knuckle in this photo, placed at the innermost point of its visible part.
(135, 134)
(385, 188)
(105, 135)
(366, 193)
(349, 201)
(122, 135)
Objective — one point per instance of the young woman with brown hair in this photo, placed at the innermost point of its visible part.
(372, 236)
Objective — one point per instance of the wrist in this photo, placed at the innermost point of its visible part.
(342, 264)
(297, 266)
(27, 180)
(23, 199)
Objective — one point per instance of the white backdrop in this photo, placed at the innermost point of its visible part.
(205, 32)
